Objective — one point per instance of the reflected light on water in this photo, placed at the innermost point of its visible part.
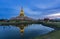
(29, 31)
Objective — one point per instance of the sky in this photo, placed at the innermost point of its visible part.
(32, 8)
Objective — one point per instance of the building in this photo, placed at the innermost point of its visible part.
(21, 17)
(3, 20)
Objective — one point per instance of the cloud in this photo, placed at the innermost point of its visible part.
(47, 4)
(55, 15)
(33, 8)
(31, 12)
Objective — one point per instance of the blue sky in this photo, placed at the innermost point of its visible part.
(32, 8)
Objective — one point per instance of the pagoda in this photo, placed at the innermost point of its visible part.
(21, 17)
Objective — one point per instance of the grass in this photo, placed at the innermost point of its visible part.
(53, 35)
(51, 24)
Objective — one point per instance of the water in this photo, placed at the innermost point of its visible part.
(12, 32)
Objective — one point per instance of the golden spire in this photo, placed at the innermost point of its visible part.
(21, 12)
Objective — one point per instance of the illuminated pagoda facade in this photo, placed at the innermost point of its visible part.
(21, 17)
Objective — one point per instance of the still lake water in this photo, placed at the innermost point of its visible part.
(12, 32)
